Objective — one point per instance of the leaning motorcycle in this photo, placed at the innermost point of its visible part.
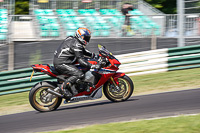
(116, 86)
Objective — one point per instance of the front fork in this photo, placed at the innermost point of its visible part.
(116, 83)
(114, 80)
(115, 77)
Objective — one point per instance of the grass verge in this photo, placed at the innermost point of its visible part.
(181, 124)
(144, 84)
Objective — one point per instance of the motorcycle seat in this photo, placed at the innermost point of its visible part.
(53, 70)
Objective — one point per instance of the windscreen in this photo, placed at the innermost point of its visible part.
(102, 48)
(103, 51)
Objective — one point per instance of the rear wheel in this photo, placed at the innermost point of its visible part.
(120, 93)
(43, 101)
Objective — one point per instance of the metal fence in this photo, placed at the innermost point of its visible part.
(28, 27)
(80, 4)
(9, 5)
(191, 24)
(147, 8)
(192, 6)
(94, 4)
(5, 28)
(192, 21)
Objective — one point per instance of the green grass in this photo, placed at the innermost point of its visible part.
(14, 99)
(181, 124)
(151, 83)
(167, 81)
(14, 103)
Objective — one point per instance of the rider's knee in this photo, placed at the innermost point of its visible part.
(81, 76)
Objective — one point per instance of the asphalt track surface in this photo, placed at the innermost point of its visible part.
(137, 107)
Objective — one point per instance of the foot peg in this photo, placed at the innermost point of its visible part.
(88, 89)
(90, 85)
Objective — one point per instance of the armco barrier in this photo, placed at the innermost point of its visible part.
(19, 80)
(160, 60)
(132, 64)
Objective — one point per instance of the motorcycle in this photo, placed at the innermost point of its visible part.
(46, 95)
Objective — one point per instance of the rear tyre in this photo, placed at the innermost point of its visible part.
(122, 93)
(41, 100)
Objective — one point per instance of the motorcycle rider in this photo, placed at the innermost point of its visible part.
(71, 50)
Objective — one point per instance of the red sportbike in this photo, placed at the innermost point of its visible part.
(46, 95)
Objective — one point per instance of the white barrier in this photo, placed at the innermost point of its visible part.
(144, 62)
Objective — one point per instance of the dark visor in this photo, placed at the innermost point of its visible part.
(87, 38)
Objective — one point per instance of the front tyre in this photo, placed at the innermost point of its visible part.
(120, 93)
(41, 100)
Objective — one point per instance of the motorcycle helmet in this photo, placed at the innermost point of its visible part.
(83, 35)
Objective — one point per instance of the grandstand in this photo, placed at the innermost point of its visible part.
(103, 23)
(6, 9)
(48, 23)
(58, 19)
(3, 24)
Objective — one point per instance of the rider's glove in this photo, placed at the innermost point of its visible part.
(96, 57)
(97, 66)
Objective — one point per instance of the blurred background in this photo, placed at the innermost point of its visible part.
(30, 31)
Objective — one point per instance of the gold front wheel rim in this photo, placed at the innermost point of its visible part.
(123, 93)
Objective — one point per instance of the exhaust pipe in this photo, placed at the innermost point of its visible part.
(54, 93)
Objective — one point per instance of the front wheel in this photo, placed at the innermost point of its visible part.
(122, 92)
(43, 101)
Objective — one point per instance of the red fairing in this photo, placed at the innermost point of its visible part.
(104, 78)
(116, 62)
(45, 68)
(92, 62)
(118, 75)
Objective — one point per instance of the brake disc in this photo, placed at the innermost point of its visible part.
(45, 97)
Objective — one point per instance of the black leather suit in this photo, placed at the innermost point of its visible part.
(70, 51)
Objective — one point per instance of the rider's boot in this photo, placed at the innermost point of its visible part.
(65, 89)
